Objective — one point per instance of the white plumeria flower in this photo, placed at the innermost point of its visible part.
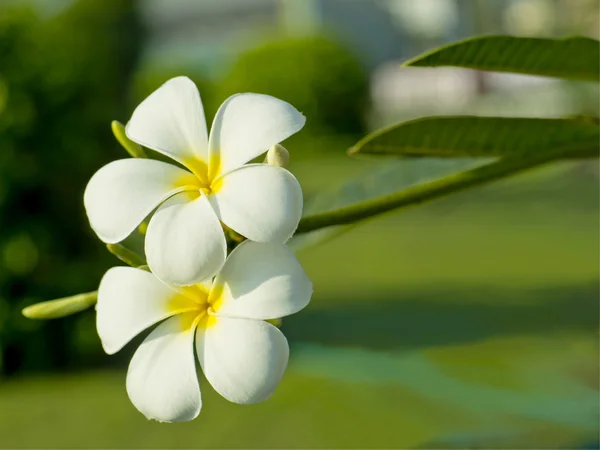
(185, 243)
(242, 356)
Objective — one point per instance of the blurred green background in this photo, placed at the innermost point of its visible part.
(467, 322)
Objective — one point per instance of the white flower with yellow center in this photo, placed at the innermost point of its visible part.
(242, 356)
(185, 242)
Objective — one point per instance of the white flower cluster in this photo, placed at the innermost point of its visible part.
(204, 299)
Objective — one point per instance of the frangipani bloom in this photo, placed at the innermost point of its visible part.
(185, 242)
(242, 356)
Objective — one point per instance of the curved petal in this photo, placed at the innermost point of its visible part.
(261, 281)
(261, 202)
(242, 359)
(129, 301)
(247, 125)
(122, 193)
(171, 121)
(185, 243)
(161, 380)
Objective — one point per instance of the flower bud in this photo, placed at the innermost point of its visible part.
(61, 307)
(278, 156)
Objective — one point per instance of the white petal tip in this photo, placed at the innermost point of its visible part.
(108, 351)
(253, 400)
(181, 419)
(171, 121)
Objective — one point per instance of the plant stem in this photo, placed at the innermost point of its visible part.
(132, 148)
(420, 193)
(126, 255)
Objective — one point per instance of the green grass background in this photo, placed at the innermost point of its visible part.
(471, 321)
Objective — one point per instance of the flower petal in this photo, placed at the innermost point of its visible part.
(171, 121)
(185, 243)
(122, 193)
(261, 202)
(247, 125)
(242, 359)
(161, 380)
(261, 281)
(129, 301)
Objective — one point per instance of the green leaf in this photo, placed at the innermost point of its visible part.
(471, 136)
(573, 58)
(132, 148)
(54, 309)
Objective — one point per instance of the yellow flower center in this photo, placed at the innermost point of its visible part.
(196, 306)
(201, 180)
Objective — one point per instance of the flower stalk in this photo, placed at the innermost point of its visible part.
(134, 149)
(422, 193)
(126, 255)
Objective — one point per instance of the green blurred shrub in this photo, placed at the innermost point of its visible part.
(315, 74)
(62, 80)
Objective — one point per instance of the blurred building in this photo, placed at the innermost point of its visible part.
(215, 30)
(208, 35)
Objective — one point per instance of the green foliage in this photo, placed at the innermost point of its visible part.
(316, 75)
(61, 81)
(519, 143)
(470, 136)
(574, 58)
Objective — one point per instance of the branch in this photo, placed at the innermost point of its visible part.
(420, 193)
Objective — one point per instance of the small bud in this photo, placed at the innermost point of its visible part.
(278, 156)
(132, 148)
(61, 307)
(126, 255)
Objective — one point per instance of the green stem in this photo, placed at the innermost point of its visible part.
(126, 255)
(132, 148)
(420, 194)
